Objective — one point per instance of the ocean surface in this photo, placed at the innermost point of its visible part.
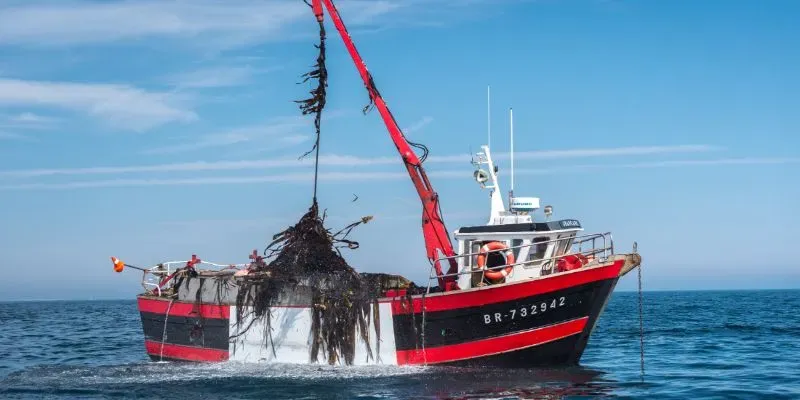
(722, 345)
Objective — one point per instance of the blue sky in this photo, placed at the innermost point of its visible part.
(153, 130)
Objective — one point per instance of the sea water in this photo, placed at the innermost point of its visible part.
(714, 344)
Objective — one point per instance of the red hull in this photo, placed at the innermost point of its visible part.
(545, 321)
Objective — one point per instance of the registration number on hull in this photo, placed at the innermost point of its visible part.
(525, 311)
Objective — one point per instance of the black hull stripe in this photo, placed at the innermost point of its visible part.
(556, 353)
(468, 324)
(187, 331)
(597, 308)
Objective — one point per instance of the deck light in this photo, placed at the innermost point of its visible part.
(481, 176)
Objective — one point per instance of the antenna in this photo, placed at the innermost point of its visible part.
(488, 116)
(511, 126)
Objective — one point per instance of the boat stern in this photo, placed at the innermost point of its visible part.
(183, 331)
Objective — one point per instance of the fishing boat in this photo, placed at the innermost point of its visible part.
(529, 293)
(519, 291)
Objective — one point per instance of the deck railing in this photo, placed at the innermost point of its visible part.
(597, 246)
(156, 277)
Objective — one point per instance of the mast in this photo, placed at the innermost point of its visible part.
(488, 116)
(511, 129)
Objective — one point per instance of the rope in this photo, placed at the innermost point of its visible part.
(164, 332)
(316, 102)
(424, 353)
(641, 323)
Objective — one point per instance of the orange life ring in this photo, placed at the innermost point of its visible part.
(496, 246)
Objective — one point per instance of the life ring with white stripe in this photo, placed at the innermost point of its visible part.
(484, 255)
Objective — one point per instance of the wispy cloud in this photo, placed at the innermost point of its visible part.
(419, 124)
(27, 121)
(31, 118)
(586, 153)
(338, 161)
(206, 24)
(217, 77)
(281, 132)
(124, 106)
(293, 177)
(338, 177)
(210, 23)
(662, 164)
(10, 136)
(76, 22)
(723, 161)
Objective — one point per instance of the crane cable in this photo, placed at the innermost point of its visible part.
(316, 102)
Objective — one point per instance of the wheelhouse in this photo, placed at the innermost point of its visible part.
(529, 250)
(512, 246)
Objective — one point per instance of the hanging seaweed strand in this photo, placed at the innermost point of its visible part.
(306, 265)
(316, 102)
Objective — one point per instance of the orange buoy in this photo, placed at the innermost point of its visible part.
(118, 264)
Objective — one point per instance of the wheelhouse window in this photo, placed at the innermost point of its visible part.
(474, 248)
(516, 247)
(564, 244)
(538, 249)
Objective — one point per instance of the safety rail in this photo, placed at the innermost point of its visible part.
(154, 278)
(546, 264)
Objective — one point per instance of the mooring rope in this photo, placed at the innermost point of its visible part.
(164, 332)
(424, 353)
(641, 317)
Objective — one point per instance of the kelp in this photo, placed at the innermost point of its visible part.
(305, 259)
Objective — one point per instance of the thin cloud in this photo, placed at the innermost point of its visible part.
(335, 160)
(337, 177)
(425, 121)
(217, 77)
(724, 161)
(97, 22)
(10, 136)
(585, 153)
(281, 132)
(27, 121)
(207, 24)
(199, 22)
(663, 164)
(285, 178)
(31, 118)
(123, 106)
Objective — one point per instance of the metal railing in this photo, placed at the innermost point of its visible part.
(156, 277)
(590, 242)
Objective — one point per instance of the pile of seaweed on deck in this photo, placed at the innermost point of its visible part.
(306, 258)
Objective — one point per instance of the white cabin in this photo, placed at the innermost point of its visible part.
(534, 248)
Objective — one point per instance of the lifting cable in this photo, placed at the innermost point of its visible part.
(316, 102)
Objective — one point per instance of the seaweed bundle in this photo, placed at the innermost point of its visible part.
(307, 262)
(305, 259)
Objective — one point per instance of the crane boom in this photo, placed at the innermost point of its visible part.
(437, 240)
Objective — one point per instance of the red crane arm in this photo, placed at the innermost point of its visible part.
(437, 240)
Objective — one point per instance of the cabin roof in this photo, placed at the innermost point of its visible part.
(564, 224)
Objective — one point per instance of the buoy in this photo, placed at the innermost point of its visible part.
(118, 264)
